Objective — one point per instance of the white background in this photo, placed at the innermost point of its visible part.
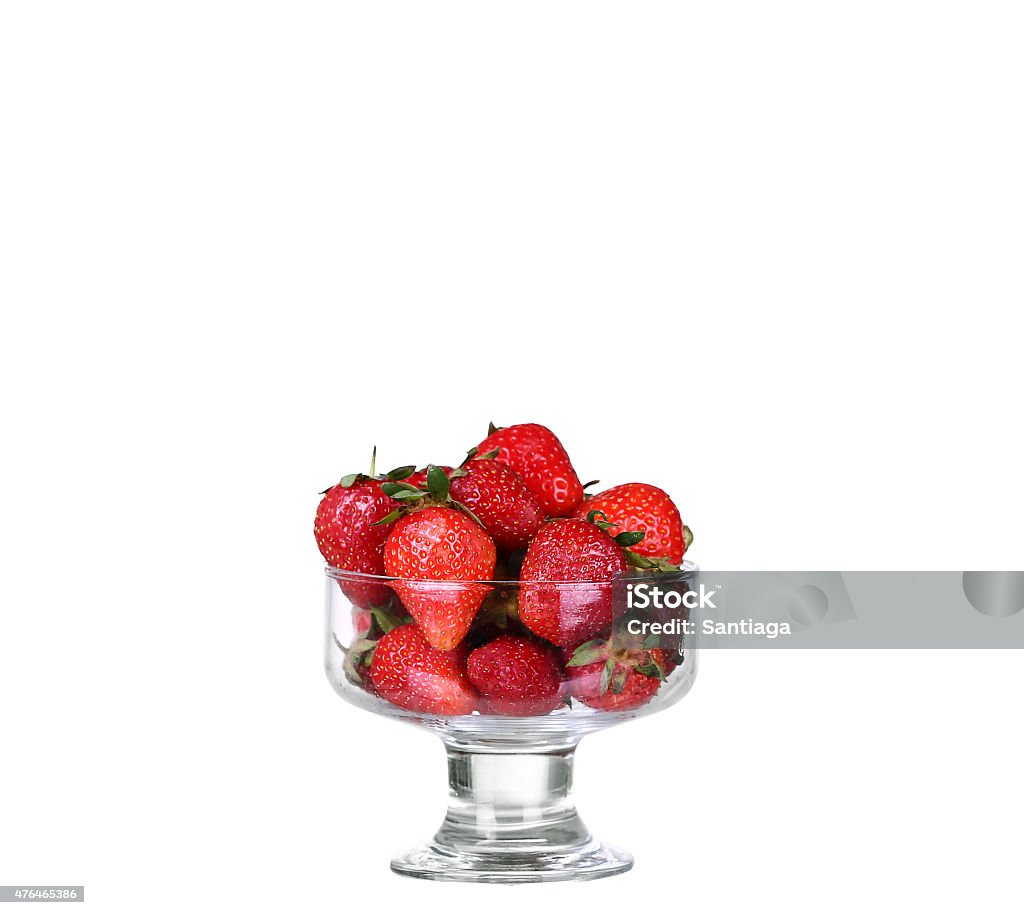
(764, 254)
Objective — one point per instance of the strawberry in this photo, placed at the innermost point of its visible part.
(349, 535)
(614, 679)
(409, 672)
(432, 550)
(642, 507)
(497, 495)
(569, 550)
(516, 676)
(536, 454)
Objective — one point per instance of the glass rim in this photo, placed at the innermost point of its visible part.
(687, 569)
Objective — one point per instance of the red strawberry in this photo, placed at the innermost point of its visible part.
(642, 507)
(616, 680)
(349, 538)
(515, 676)
(497, 495)
(569, 551)
(432, 550)
(536, 454)
(408, 672)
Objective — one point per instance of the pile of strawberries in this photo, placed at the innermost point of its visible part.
(498, 596)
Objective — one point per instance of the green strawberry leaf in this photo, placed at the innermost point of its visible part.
(405, 495)
(385, 620)
(598, 517)
(474, 454)
(619, 680)
(630, 538)
(662, 673)
(587, 653)
(348, 480)
(650, 669)
(393, 489)
(655, 563)
(491, 428)
(637, 561)
(687, 537)
(606, 675)
(400, 473)
(388, 518)
(438, 483)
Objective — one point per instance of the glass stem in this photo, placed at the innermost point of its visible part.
(511, 801)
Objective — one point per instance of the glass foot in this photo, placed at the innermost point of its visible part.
(511, 820)
(587, 862)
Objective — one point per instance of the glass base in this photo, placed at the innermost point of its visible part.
(587, 862)
(511, 820)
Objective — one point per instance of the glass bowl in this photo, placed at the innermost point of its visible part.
(510, 816)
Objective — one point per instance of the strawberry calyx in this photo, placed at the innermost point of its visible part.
(628, 539)
(412, 497)
(352, 479)
(358, 657)
(655, 563)
(619, 662)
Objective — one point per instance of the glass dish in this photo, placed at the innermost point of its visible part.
(510, 816)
